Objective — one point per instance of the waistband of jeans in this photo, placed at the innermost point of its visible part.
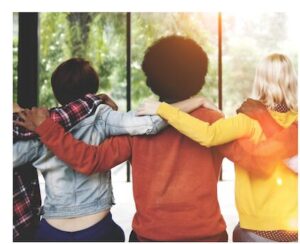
(77, 211)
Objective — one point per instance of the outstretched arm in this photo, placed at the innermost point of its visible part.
(67, 115)
(220, 132)
(187, 105)
(192, 103)
(84, 158)
(263, 157)
(128, 123)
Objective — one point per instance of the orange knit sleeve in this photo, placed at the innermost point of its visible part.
(84, 158)
(261, 158)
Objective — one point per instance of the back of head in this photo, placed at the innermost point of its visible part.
(175, 68)
(276, 82)
(74, 79)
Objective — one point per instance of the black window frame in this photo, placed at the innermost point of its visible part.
(28, 58)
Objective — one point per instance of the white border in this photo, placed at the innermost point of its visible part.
(151, 5)
(10, 6)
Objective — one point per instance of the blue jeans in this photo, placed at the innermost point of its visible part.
(105, 230)
(222, 237)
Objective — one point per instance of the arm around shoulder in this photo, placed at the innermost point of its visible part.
(127, 123)
(220, 132)
(84, 158)
(262, 158)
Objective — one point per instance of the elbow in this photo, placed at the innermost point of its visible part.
(91, 169)
(152, 131)
(208, 145)
(209, 142)
(83, 169)
(211, 139)
(158, 124)
(86, 172)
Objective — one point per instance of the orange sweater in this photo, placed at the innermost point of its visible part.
(174, 179)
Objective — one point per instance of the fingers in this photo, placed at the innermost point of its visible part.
(210, 105)
(143, 109)
(140, 110)
(103, 96)
(108, 101)
(30, 119)
(146, 109)
(240, 109)
(24, 114)
(111, 103)
(20, 123)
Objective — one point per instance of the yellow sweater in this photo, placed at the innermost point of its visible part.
(269, 203)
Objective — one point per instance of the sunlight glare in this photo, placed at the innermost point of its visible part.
(279, 181)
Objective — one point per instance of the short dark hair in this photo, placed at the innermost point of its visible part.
(74, 79)
(175, 68)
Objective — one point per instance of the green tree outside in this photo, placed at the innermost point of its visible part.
(101, 39)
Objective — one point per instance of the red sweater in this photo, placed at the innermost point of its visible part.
(174, 179)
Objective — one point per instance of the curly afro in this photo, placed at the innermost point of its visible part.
(175, 68)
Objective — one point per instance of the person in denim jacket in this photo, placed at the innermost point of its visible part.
(77, 207)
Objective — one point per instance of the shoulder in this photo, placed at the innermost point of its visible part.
(99, 115)
(207, 115)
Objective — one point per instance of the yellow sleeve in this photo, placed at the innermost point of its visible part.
(220, 132)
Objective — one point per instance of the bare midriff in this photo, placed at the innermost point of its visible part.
(77, 223)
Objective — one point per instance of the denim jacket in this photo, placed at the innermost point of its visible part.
(71, 194)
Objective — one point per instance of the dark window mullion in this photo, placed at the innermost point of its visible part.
(220, 67)
(28, 60)
(128, 76)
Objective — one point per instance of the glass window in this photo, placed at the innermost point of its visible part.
(247, 38)
(97, 37)
(101, 39)
(15, 55)
(148, 27)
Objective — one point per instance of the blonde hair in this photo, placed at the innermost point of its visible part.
(275, 82)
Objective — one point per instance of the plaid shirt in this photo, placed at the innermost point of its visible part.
(68, 116)
(26, 202)
(26, 191)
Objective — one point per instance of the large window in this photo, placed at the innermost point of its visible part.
(97, 37)
(101, 38)
(245, 42)
(148, 27)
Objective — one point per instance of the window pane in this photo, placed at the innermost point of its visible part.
(148, 27)
(97, 37)
(248, 37)
(15, 54)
